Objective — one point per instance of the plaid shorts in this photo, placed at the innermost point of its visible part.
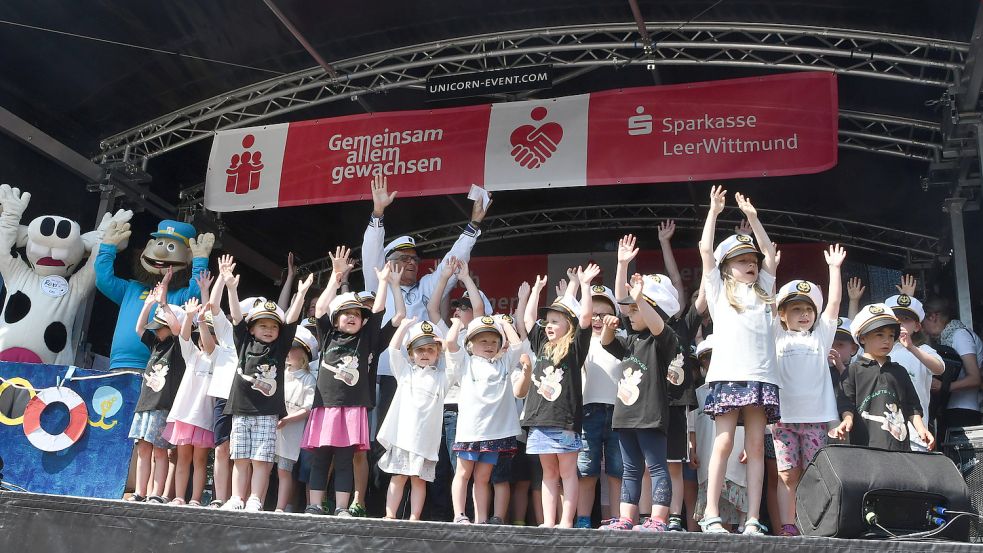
(253, 437)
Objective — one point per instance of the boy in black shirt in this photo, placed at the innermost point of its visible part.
(263, 340)
(161, 379)
(878, 390)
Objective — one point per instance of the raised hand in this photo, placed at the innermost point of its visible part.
(479, 211)
(855, 289)
(202, 246)
(636, 286)
(524, 291)
(383, 272)
(291, 268)
(226, 268)
(611, 322)
(204, 280)
(626, 248)
(744, 204)
(666, 230)
(166, 281)
(718, 198)
(340, 262)
(192, 306)
(835, 255)
(908, 285)
(905, 339)
(561, 287)
(464, 271)
(744, 228)
(588, 274)
(381, 198)
(304, 285)
(154, 295)
(395, 273)
(539, 284)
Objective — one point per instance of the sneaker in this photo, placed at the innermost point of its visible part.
(789, 530)
(651, 524)
(253, 504)
(675, 524)
(314, 510)
(582, 522)
(233, 504)
(357, 510)
(342, 512)
(495, 520)
(620, 523)
(462, 519)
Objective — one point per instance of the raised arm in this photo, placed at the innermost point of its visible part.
(373, 253)
(718, 198)
(611, 323)
(767, 247)
(666, 231)
(207, 339)
(522, 298)
(190, 310)
(530, 317)
(452, 335)
(227, 269)
(218, 289)
(297, 304)
(396, 343)
(339, 266)
(434, 303)
(288, 282)
(477, 303)
(152, 298)
(573, 285)
(204, 280)
(461, 248)
(520, 386)
(855, 290)
(834, 258)
(626, 252)
(393, 274)
(585, 276)
(651, 317)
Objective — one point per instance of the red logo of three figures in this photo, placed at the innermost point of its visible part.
(532, 146)
(244, 169)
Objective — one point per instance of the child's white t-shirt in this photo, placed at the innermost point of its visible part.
(744, 343)
(602, 372)
(807, 394)
(298, 395)
(416, 416)
(192, 405)
(921, 378)
(225, 359)
(486, 403)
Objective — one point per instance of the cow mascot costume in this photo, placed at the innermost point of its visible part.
(43, 294)
(173, 246)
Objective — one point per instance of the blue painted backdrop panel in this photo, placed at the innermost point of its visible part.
(94, 466)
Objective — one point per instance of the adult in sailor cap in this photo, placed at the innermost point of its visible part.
(878, 391)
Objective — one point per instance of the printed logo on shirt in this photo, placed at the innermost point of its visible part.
(551, 385)
(346, 370)
(265, 381)
(628, 390)
(156, 376)
(676, 373)
(892, 421)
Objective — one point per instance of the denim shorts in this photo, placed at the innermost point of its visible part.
(490, 457)
(599, 441)
(544, 440)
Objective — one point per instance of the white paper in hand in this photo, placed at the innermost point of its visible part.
(478, 193)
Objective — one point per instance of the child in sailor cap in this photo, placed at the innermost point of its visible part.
(298, 394)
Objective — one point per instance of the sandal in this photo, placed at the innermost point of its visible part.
(176, 501)
(194, 503)
(713, 525)
(754, 527)
(136, 498)
(215, 504)
(462, 519)
(156, 499)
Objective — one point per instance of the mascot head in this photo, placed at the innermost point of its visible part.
(168, 247)
(55, 245)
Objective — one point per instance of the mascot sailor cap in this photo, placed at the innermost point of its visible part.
(906, 305)
(265, 310)
(872, 317)
(800, 290)
(734, 245)
(704, 347)
(483, 324)
(305, 340)
(401, 243)
(176, 230)
(423, 333)
(345, 301)
(659, 292)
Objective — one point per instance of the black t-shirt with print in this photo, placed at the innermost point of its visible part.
(643, 391)
(346, 377)
(258, 386)
(682, 387)
(878, 396)
(163, 374)
(562, 383)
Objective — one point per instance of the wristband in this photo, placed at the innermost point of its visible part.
(376, 221)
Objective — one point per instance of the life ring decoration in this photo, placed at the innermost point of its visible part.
(78, 417)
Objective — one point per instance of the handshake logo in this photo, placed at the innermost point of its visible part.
(532, 146)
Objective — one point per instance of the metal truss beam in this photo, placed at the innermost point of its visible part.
(883, 56)
(908, 248)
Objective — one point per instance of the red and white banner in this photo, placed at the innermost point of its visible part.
(759, 126)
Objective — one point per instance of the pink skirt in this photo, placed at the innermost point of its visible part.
(182, 433)
(337, 427)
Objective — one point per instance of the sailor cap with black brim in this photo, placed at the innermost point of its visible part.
(345, 301)
(305, 340)
(601, 291)
(265, 310)
(483, 324)
(401, 243)
(872, 317)
(422, 334)
(659, 292)
(309, 322)
(205, 316)
(800, 290)
(567, 306)
(735, 245)
(158, 320)
(903, 304)
(843, 328)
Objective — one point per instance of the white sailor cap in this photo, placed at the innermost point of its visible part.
(659, 292)
(422, 334)
(265, 310)
(401, 243)
(601, 291)
(872, 317)
(306, 340)
(483, 324)
(734, 245)
(800, 290)
(904, 304)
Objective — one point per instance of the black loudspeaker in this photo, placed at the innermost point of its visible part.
(964, 445)
(846, 488)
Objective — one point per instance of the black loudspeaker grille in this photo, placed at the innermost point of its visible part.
(964, 445)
